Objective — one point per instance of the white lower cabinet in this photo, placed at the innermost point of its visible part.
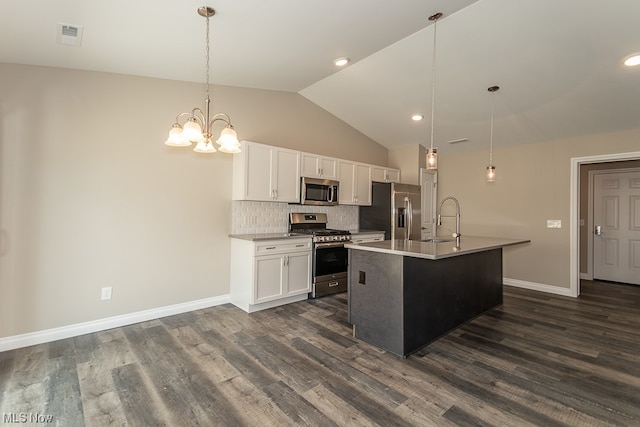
(267, 274)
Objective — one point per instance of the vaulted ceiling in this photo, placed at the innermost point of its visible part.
(558, 63)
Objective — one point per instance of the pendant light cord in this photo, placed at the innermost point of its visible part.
(493, 90)
(433, 79)
(491, 137)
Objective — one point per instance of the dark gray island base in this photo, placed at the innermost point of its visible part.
(404, 295)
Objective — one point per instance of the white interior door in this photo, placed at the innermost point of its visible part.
(429, 186)
(616, 233)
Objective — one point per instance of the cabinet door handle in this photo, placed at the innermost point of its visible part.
(270, 247)
(332, 284)
(300, 246)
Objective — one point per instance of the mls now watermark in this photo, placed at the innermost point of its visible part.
(26, 417)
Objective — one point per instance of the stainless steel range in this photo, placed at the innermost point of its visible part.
(330, 258)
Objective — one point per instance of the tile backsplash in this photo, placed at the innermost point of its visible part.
(269, 217)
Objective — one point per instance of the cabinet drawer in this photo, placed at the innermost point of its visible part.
(283, 246)
(364, 238)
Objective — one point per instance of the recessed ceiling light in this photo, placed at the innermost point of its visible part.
(416, 117)
(341, 62)
(632, 60)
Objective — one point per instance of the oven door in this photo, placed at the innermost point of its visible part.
(329, 269)
(329, 261)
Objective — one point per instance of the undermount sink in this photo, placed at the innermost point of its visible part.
(439, 239)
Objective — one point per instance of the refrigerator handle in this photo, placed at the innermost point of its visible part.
(409, 213)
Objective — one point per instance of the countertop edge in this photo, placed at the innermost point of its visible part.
(429, 250)
(269, 236)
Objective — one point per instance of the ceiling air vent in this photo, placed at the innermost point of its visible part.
(69, 35)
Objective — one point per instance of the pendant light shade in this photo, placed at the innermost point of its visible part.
(198, 124)
(192, 132)
(175, 137)
(432, 155)
(432, 158)
(491, 173)
(491, 169)
(228, 141)
(205, 147)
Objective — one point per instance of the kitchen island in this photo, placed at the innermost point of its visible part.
(405, 294)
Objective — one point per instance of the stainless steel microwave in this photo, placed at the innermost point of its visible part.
(319, 192)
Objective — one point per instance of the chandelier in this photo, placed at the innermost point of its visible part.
(197, 124)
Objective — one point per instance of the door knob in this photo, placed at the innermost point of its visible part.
(598, 230)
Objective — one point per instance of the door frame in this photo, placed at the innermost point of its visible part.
(574, 211)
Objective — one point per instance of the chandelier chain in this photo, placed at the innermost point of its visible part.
(207, 57)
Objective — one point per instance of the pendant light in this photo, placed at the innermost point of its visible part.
(432, 155)
(198, 124)
(491, 169)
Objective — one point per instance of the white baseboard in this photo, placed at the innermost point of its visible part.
(48, 335)
(537, 287)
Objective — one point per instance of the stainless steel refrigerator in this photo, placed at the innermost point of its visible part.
(395, 209)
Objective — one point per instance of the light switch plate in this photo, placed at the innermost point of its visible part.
(554, 223)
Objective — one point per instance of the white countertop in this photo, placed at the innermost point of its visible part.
(432, 250)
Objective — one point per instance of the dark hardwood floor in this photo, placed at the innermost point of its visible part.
(540, 360)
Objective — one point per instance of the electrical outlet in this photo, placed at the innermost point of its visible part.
(554, 223)
(106, 293)
(362, 279)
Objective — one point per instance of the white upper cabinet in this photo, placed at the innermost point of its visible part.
(315, 166)
(355, 183)
(383, 174)
(265, 173)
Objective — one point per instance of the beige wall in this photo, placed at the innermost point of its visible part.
(409, 159)
(533, 185)
(91, 197)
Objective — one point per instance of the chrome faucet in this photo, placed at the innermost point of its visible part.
(457, 216)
